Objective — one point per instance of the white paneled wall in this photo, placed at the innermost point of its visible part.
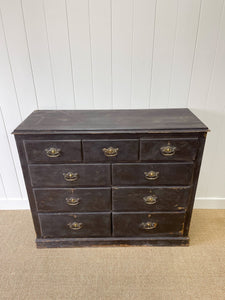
(90, 54)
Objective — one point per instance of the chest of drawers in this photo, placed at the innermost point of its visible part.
(111, 177)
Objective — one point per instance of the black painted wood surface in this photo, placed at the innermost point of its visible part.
(108, 193)
(169, 174)
(52, 175)
(56, 121)
(69, 151)
(86, 199)
(185, 149)
(57, 225)
(130, 224)
(128, 150)
(164, 198)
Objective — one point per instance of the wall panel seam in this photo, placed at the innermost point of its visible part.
(3, 187)
(111, 55)
(132, 54)
(91, 56)
(29, 56)
(173, 55)
(152, 58)
(49, 55)
(214, 58)
(11, 154)
(71, 64)
(194, 54)
(10, 65)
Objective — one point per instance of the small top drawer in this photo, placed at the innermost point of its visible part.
(176, 149)
(53, 151)
(110, 150)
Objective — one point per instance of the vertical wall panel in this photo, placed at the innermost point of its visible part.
(186, 33)
(202, 73)
(87, 54)
(100, 31)
(165, 31)
(122, 27)
(7, 167)
(12, 117)
(3, 194)
(19, 56)
(205, 51)
(35, 23)
(57, 30)
(143, 38)
(215, 106)
(79, 30)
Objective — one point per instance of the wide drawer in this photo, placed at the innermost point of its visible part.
(110, 150)
(145, 224)
(152, 174)
(70, 175)
(175, 149)
(146, 199)
(53, 151)
(76, 200)
(75, 225)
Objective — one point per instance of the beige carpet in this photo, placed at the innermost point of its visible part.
(195, 272)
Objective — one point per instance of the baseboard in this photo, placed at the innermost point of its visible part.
(204, 203)
(14, 203)
(210, 203)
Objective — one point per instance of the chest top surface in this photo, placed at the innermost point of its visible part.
(83, 121)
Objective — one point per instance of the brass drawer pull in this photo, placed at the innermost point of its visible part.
(70, 176)
(110, 152)
(75, 226)
(168, 150)
(151, 175)
(73, 201)
(53, 152)
(148, 225)
(151, 199)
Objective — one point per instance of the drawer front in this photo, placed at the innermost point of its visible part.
(172, 149)
(152, 174)
(146, 199)
(110, 150)
(144, 224)
(76, 200)
(70, 175)
(71, 225)
(52, 151)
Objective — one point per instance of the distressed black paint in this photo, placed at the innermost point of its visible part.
(111, 190)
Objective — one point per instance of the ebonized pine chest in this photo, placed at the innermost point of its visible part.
(111, 177)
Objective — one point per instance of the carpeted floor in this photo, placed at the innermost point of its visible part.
(195, 272)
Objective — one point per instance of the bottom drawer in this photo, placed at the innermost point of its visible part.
(144, 224)
(66, 225)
